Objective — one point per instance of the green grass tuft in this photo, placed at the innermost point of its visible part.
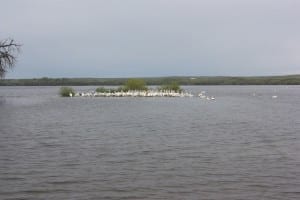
(66, 91)
(173, 86)
(135, 84)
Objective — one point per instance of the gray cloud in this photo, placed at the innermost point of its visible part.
(94, 38)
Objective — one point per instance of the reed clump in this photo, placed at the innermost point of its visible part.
(66, 92)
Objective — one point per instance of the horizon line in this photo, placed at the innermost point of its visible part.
(167, 76)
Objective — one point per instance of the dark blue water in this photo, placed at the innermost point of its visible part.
(239, 146)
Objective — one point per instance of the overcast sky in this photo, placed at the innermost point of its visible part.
(129, 38)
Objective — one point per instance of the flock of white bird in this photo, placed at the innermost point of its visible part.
(203, 96)
(150, 93)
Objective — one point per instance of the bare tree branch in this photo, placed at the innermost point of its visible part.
(8, 54)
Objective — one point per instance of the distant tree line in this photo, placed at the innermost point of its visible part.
(267, 80)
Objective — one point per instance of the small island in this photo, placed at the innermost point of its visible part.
(134, 88)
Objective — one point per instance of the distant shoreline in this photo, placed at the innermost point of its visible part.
(182, 80)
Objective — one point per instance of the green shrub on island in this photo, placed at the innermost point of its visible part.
(139, 85)
(66, 91)
(173, 86)
(121, 89)
(109, 90)
(135, 84)
(102, 90)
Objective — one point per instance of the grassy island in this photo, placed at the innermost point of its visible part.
(133, 88)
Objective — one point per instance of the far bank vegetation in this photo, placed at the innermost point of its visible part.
(181, 80)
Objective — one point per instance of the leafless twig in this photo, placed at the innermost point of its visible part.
(8, 52)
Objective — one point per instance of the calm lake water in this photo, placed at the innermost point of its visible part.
(240, 146)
